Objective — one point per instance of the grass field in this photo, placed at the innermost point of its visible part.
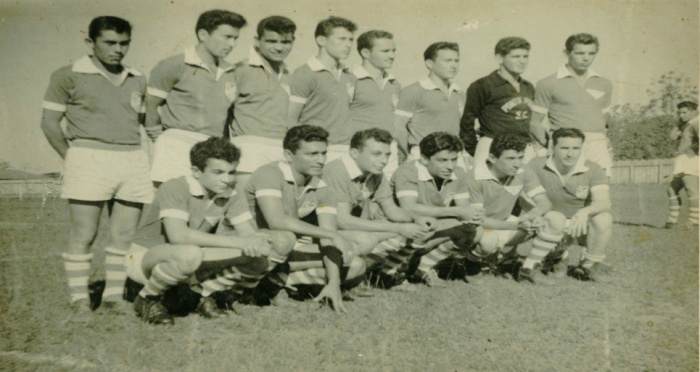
(646, 319)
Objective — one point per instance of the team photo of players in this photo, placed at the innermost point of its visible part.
(269, 184)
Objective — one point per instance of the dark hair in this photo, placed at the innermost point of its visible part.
(432, 50)
(306, 133)
(211, 19)
(439, 141)
(278, 24)
(508, 141)
(325, 27)
(108, 23)
(360, 138)
(366, 40)
(505, 45)
(585, 39)
(213, 148)
(689, 104)
(567, 133)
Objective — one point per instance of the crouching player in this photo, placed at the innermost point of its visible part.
(578, 189)
(357, 181)
(433, 186)
(497, 184)
(290, 196)
(176, 240)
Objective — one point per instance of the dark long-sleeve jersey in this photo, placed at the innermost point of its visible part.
(498, 106)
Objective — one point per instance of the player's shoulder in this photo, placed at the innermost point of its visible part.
(538, 162)
(593, 166)
(407, 170)
(172, 62)
(179, 185)
(547, 80)
(304, 69)
(62, 73)
(267, 173)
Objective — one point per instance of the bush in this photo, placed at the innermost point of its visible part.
(640, 138)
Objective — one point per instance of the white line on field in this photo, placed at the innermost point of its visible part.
(64, 361)
(20, 258)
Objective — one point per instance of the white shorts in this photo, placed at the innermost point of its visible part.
(596, 148)
(686, 164)
(393, 164)
(337, 152)
(133, 264)
(257, 151)
(171, 154)
(414, 154)
(481, 153)
(95, 174)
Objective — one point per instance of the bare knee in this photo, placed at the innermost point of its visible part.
(357, 267)
(188, 257)
(364, 243)
(602, 221)
(488, 244)
(554, 222)
(83, 233)
(282, 242)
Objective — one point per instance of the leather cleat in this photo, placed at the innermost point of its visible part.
(533, 276)
(208, 309)
(560, 268)
(152, 311)
(118, 307)
(431, 279)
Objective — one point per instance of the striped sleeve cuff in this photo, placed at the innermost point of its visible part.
(536, 191)
(600, 187)
(174, 213)
(407, 193)
(539, 109)
(268, 192)
(156, 92)
(241, 218)
(326, 210)
(460, 196)
(297, 99)
(403, 113)
(53, 106)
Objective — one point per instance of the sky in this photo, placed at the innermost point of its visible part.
(640, 40)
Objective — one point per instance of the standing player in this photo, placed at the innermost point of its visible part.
(499, 102)
(578, 189)
(189, 94)
(497, 184)
(576, 97)
(290, 196)
(433, 104)
(260, 110)
(323, 88)
(102, 101)
(178, 236)
(432, 186)
(357, 181)
(376, 91)
(685, 166)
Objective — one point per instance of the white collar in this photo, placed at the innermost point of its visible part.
(424, 174)
(85, 65)
(429, 84)
(361, 73)
(316, 65)
(579, 167)
(192, 58)
(564, 72)
(196, 189)
(255, 59)
(353, 170)
(314, 183)
(482, 172)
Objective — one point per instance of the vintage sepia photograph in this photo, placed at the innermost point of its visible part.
(325, 185)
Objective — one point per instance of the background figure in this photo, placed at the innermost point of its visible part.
(685, 165)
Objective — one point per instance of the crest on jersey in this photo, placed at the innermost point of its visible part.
(582, 192)
(306, 208)
(231, 91)
(595, 93)
(137, 101)
(514, 190)
(351, 90)
(395, 99)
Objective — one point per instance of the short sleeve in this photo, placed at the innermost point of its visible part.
(599, 181)
(405, 181)
(301, 86)
(531, 183)
(461, 186)
(383, 192)
(475, 189)
(57, 94)
(337, 179)
(237, 211)
(266, 181)
(164, 76)
(173, 197)
(327, 200)
(409, 100)
(543, 98)
(607, 99)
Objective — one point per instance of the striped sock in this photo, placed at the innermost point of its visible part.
(674, 209)
(77, 270)
(163, 276)
(441, 252)
(542, 244)
(230, 278)
(588, 260)
(309, 276)
(693, 211)
(115, 274)
(395, 259)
